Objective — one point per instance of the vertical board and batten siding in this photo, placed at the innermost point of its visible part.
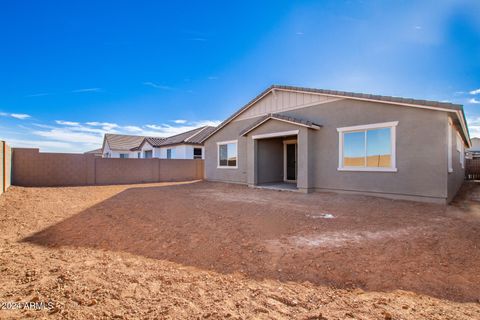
(283, 101)
(32, 168)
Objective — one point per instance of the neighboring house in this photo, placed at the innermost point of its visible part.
(323, 140)
(96, 152)
(474, 151)
(186, 145)
(121, 146)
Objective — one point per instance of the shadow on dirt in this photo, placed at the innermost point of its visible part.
(229, 228)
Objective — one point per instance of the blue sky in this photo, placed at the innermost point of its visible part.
(73, 70)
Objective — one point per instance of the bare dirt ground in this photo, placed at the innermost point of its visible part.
(216, 251)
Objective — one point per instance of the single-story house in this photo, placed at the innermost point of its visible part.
(323, 140)
(186, 145)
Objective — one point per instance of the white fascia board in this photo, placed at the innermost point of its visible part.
(275, 134)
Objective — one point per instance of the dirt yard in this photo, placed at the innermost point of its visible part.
(216, 251)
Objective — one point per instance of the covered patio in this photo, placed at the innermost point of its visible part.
(279, 153)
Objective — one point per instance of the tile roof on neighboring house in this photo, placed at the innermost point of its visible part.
(122, 141)
(445, 106)
(194, 136)
(95, 151)
(280, 117)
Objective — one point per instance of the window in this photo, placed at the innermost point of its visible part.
(227, 154)
(138, 155)
(124, 155)
(170, 153)
(148, 154)
(197, 153)
(368, 147)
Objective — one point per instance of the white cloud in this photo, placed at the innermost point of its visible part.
(67, 123)
(299, 33)
(474, 126)
(157, 86)
(474, 92)
(20, 116)
(169, 130)
(474, 101)
(107, 126)
(87, 90)
(418, 27)
(74, 136)
(55, 146)
(133, 129)
(69, 135)
(41, 94)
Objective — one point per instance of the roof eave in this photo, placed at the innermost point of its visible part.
(374, 98)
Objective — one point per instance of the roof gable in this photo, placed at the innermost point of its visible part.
(275, 101)
(282, 118)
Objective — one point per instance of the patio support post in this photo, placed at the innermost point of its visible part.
(252, 148)
(304, 163)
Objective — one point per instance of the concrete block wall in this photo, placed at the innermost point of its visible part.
(118, 171)
(38, 169)
(180, 169)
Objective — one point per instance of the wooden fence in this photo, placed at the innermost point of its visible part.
(472, 169)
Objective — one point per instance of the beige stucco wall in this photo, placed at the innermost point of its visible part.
(421, 150)
(33, 168)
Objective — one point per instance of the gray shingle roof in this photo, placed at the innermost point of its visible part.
(354, 95)
(281, 117)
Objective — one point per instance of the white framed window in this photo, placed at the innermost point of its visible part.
(170, 153)
(370, 147)
(227, 154)
(123, 155)
(147, 154)
(449, 146)
(197, 153)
